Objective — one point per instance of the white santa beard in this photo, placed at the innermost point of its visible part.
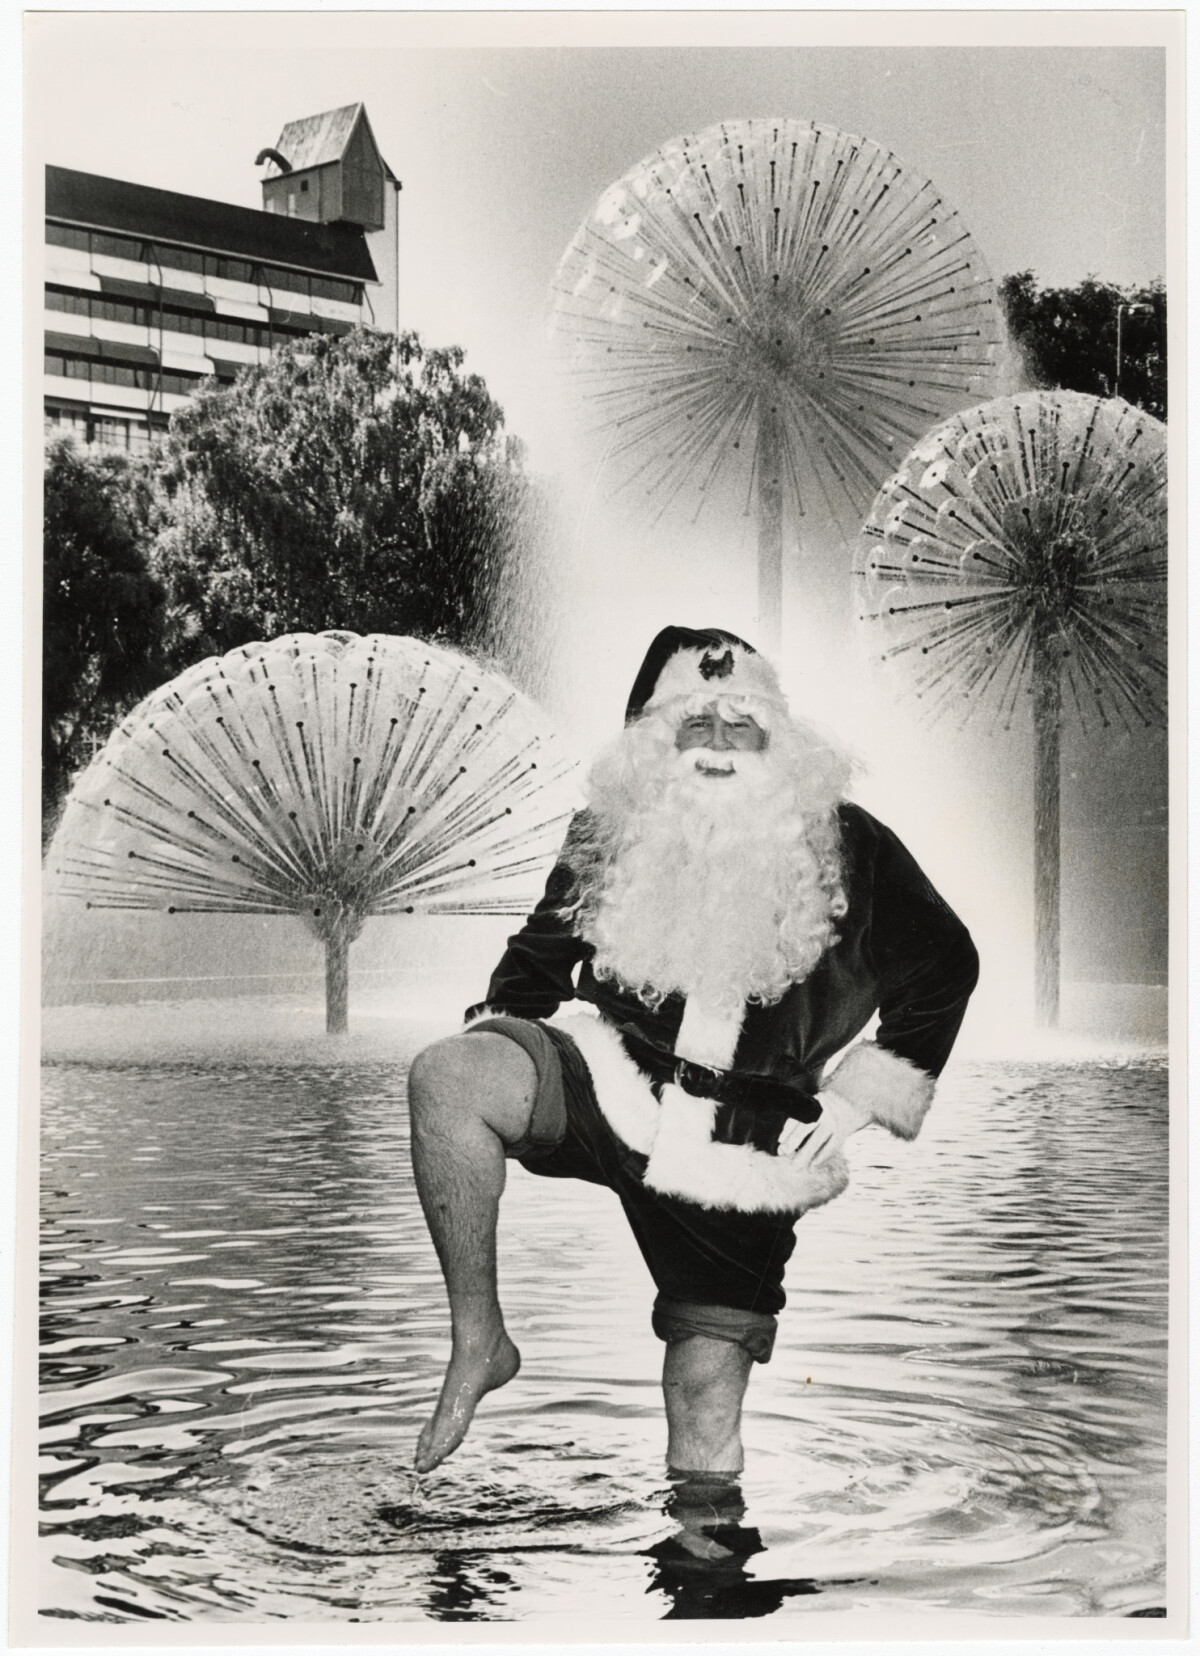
(715, 893)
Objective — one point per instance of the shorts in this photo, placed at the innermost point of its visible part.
(718, 1272)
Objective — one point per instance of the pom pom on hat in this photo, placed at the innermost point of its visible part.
(683, 663)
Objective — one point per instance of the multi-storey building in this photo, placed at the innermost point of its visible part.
(148, 292)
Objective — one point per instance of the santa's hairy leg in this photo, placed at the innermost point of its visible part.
(704, 1383)
(468, 1098)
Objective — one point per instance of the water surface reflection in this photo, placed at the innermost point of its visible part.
(244, 1328)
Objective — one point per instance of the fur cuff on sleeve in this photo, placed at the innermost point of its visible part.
(898, 1094)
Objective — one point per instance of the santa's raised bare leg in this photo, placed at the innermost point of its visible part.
(469, 1098)
(704, 1383)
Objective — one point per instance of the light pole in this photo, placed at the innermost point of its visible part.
(1130, 310)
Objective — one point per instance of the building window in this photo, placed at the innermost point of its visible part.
(294, 281)
(325, 287)
(69, 422)
(64, 367)
(75, 304)
(104, 430)
(119, 310)
(181, 258)
(117, 247)
(229, 270)
(304, 186)
(179, 385)
(66, 235)
(119, 373)
(181, 321)
(99, 306)
(235, 331)
(115, 373)
(110, 433)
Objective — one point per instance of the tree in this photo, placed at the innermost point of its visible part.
(108, 629)
(1068, 337)
(362, 482)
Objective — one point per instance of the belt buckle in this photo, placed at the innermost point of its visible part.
(686, 1068)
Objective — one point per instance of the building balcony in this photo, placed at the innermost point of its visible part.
(338, 311)
(236, 293)
(63, 322)
(72, 262)
(231, 350)
(100, 327)
(187, 360)
(69, 277)
(244, 310)
(186, 281)
(131, 270)
(99, 396)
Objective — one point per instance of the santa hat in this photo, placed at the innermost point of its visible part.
(685, 664)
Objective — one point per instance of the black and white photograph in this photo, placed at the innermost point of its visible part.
(604, 962)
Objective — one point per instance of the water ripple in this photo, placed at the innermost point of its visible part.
(244, 1327)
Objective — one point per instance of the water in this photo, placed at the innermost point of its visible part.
(245, 1326)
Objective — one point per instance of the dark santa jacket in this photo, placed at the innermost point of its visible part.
(900, 951)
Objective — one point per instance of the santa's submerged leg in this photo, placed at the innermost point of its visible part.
(704, 1383)
(468, 1099)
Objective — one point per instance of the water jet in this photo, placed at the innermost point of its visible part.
(1020, 552)
(329, 776)
(776, 307)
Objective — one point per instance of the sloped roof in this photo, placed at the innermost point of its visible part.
(216, 226)
(318, 139)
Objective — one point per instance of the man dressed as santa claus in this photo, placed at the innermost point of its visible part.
(732, 924)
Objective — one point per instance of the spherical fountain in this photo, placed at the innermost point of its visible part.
(329, 776)
(777, 306)
(1021, 550)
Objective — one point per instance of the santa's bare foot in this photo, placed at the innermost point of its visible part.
(478, 1364)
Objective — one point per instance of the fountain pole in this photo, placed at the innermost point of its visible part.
(770, 527)
(1024, 558)
(1047, 715)
(337, 979)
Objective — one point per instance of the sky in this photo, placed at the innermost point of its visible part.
(1053, 155)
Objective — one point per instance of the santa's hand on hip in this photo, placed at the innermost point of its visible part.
(813, 1141)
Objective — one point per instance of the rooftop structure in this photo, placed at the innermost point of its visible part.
(150, 291)
(327, 169)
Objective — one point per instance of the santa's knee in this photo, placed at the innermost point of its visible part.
(440, 1075)
(468, 1074)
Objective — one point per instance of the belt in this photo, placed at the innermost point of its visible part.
(742, 1089)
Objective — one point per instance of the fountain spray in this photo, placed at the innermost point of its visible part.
(329, 776)
(778, 307)
(1020, 552)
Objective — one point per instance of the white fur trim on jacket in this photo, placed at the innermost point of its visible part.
(622, 1091)
(896, 1092)
(677, 1137)
(707, 1036)
(686, 1162)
